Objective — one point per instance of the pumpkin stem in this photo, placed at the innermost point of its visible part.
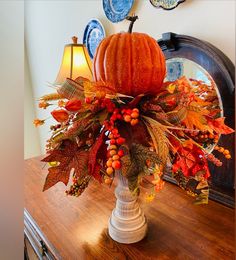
(132, 19)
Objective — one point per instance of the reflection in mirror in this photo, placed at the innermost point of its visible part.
(178, 67)
(201, 60)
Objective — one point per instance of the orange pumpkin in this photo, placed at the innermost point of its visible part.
(130, 63)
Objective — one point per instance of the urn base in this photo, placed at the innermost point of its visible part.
(127, 233)
(127, 223)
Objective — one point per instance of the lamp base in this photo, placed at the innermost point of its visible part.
(127, 223)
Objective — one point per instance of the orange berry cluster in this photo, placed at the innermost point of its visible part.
(114, 154)
(214, 160)
(201, 136)
(130, 115)
(224, 151)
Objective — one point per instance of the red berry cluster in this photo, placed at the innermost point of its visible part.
(214, 160)
(116, 115)
(88, 100)
(108, 104)
(102, 102)
(78, 186)
(130, 115)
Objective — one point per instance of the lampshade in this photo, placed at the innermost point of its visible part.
(76, 62)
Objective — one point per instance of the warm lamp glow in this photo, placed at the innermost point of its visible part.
(76, 62)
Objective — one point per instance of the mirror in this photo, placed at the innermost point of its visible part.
(193, 58)
(179, 67)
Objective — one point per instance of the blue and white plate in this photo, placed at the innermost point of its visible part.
(166, 4)
(117, 10)
(174, 69)
(93, 34)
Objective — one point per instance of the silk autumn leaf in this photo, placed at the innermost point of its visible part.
(73, 105)
(135, 162)
(190, 160)
(94, 150)
(60, 115)
(77, 127)
(219, 126)
(195, 118)
(96, 173)
(137, 134)
(70, 157)
(98, 89)
(175, 144)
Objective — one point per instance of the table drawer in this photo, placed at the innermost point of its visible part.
(41, 246)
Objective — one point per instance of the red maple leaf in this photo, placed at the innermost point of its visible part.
(70, 157)
(190, 160)
(94, 153)
(96, 174)
(137, 134)
(219, 126)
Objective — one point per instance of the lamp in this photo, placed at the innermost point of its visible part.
(76, 62)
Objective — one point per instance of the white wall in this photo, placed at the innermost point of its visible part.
(50, 24)
(31, 134)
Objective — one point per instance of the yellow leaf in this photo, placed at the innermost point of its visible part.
(89, 89)
(171, 88)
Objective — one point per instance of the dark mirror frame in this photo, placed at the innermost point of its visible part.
(222, 70)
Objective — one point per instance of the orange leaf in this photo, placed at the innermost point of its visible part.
(190, 160)
(219, 126)
(73, 105)
(60, 115)
(196, 119)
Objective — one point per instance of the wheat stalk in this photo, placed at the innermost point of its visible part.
(51, 96)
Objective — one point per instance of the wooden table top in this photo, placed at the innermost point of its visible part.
(77, 227)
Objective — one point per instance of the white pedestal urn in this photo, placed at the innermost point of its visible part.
(127, 223)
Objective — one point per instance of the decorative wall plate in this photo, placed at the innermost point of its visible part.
(174, 69)
(117, 10)
(93, 33)
(166, 4)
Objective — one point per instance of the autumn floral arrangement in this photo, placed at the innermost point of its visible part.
(127, 121)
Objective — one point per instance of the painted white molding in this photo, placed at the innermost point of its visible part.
(127, 223)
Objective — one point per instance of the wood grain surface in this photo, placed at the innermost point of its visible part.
(177, 229)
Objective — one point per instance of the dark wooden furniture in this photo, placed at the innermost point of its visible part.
(222, 70)
(61, 227)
